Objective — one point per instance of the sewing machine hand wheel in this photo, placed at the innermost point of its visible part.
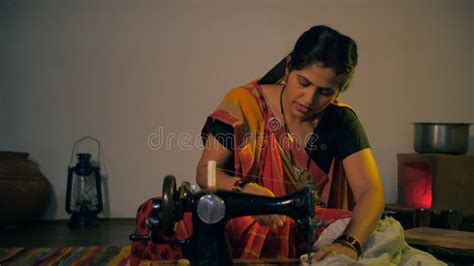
(169, 205)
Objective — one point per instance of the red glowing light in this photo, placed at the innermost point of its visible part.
(417, 185)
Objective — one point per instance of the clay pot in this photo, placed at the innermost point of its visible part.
(24, 191)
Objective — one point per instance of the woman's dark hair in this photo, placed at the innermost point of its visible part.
(320, 44)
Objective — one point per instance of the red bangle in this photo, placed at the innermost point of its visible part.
(239, 185)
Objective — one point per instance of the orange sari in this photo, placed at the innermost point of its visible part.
(261, 156)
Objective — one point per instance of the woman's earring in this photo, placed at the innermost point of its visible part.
(285, 77)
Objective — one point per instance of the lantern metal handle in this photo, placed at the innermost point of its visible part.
(81, 139)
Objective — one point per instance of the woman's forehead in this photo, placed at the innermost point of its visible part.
(319, 75)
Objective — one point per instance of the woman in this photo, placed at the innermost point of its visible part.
(286, 131)
(273, 136)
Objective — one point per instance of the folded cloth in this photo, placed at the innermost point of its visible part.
(386, 246)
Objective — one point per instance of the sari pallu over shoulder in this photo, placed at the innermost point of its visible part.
(242, 111)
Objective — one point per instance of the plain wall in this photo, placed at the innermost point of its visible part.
(130, 72)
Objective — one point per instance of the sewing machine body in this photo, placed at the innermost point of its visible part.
(211, 209)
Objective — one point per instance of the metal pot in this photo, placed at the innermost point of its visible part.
(450, 138)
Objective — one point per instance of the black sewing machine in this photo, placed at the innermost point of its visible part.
(211, 209)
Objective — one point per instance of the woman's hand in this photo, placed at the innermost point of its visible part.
(330, 250)
(265, 220)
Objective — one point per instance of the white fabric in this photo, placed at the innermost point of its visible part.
(386, 246)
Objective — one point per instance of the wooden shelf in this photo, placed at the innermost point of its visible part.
(440, 237)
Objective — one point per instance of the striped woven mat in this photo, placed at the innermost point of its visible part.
(93, 255)
(99, 255)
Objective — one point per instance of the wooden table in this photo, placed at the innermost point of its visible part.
(440, 237)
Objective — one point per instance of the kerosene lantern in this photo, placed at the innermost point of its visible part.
(84, 193)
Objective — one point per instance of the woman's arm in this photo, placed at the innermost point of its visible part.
(214, 150)
(366, 185)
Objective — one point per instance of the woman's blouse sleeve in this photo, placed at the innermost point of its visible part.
(351, 136)
(223, 132)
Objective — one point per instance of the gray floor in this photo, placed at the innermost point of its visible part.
(57, 234)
